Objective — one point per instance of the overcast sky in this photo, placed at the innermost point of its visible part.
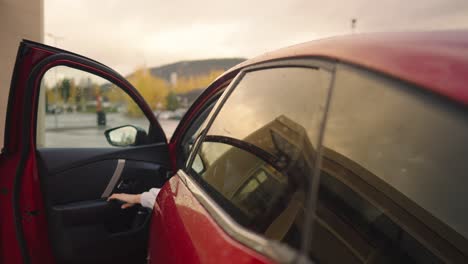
(128, 34)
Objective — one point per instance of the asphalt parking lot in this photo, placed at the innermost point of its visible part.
(81, 130)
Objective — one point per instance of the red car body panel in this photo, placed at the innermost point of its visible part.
(183, 231)
(35, 229)
(437, 61)
(34, 222)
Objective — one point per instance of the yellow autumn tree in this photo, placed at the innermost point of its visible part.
(51, 96)
(187, 84)
(154, 90)
(115, 95)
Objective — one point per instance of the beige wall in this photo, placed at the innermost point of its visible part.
(19, 19)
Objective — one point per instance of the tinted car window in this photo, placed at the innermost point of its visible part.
(257, 157)
(393, 175)
(194, 130)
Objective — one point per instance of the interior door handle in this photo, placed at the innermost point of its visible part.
(125, 185)
(114, 179)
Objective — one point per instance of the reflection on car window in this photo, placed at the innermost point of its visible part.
(393, 174)
(194, 131)
(382, 156)
(258, 153)
(350, 228)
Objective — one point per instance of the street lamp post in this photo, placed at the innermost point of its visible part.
(353, 25)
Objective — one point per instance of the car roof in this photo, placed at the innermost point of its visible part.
(437, 61)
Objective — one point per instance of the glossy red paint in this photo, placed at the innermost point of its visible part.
(32, 199)
(182, 231)
(34, 222)
(437, 61)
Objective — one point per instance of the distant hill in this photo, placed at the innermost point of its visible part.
(194, 67)
(201, 70)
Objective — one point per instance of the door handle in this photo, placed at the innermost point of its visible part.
(127, 185)
(114, 179)
(123, 185)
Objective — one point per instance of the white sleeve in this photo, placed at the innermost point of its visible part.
(148, 198)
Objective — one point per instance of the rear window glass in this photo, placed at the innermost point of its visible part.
(403, 153)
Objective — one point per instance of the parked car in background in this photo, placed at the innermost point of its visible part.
(344, 150)
(164, 115)
(53, 109)
(175, 115)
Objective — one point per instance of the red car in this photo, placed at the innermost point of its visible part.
(344, 150)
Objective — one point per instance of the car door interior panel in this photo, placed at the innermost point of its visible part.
(60, 183)
(83, 226)
(55, 160)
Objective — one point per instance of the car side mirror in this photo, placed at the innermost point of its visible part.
(125, 136)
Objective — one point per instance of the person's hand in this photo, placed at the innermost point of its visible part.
(129, 199)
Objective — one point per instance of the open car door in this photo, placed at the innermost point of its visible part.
(57, 167)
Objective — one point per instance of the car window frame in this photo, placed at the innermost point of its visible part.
(137, 99)
(270, 248)
(195, 127)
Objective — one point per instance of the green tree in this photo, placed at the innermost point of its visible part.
(172, 102)
(66, 86)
